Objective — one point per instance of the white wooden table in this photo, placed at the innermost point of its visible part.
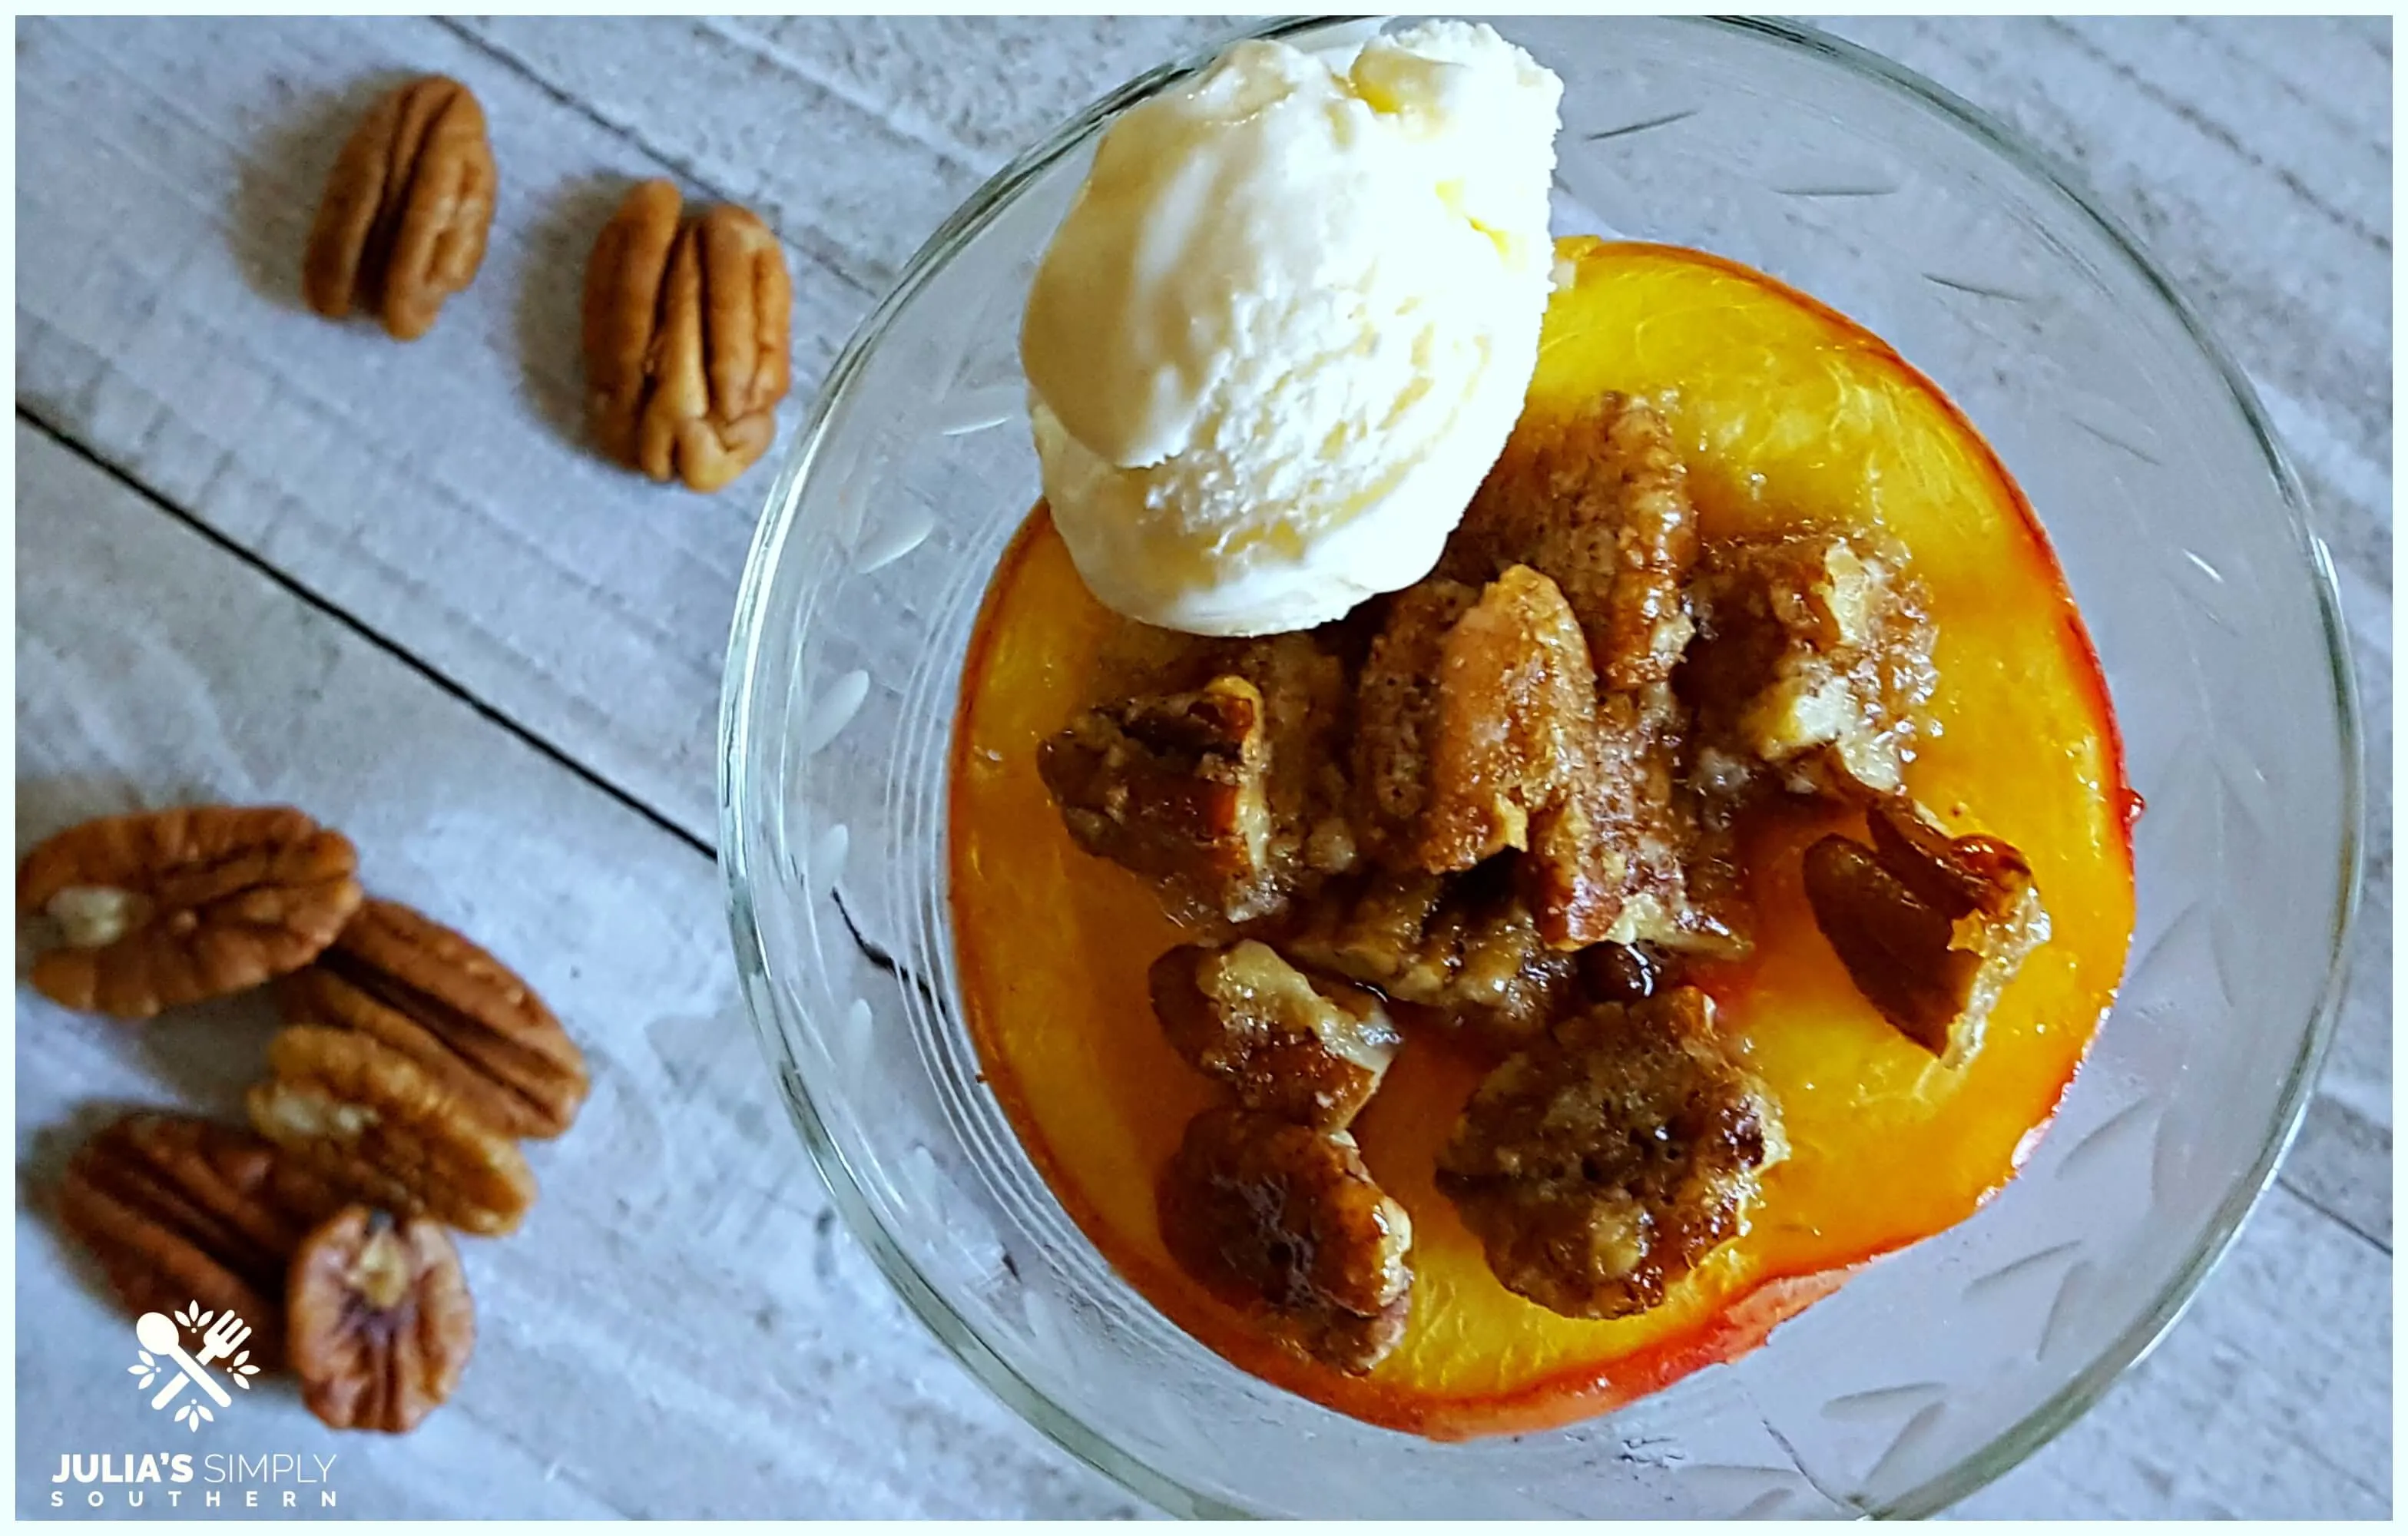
(260, 557)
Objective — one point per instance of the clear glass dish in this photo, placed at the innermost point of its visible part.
(2185, 541)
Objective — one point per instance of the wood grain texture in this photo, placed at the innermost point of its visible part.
(389, 584)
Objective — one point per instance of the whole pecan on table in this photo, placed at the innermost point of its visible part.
(371, 1120)
(462, 1015)
(686, 323)
(182, 1211)
(406, 209)
(381, 1324)
(143, 913)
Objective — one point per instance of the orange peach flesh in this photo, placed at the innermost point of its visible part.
(1789, 414)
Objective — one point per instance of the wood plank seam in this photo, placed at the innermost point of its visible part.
(2309, 1199)
(350, 622)
(798, 66)
(694, 1285)
(433, 674)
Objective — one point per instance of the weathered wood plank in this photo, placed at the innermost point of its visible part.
(681, 1328)
(437, 490)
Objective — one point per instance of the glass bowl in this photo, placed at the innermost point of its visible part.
(2184, 538)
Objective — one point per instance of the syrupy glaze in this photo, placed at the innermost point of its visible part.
(1789, 413)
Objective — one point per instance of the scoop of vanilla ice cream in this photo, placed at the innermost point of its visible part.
(1288, 324)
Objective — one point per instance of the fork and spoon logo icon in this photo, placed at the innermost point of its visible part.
(161, 1341)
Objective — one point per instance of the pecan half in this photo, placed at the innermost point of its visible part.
(455, 1009)
(1930, 928)
(154, 910)
(374, 1122)
(1299, 1047)
(1465, 946)
(407, 208)
(180, 1210)
(381, 1323)
(686, 338)
(1286, 1223)
(1175, 787)
(1602, 1163)
(1812, 670)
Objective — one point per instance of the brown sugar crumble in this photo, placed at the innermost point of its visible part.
(1302, 1048)
(1466, 948)
(1285, 1220)
(1174, 786)
(1601, 1164)
(1812, 666)
(1504, 803)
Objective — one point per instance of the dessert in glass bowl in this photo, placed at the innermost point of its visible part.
(1535, 895)
(900, 527)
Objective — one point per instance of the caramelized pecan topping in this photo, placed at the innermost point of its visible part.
(1286, 1222)
(1174, 786)
(1289, 1044)
(1930, 928)
(1601, 1165)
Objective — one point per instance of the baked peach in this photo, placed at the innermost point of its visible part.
(1788, 416)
